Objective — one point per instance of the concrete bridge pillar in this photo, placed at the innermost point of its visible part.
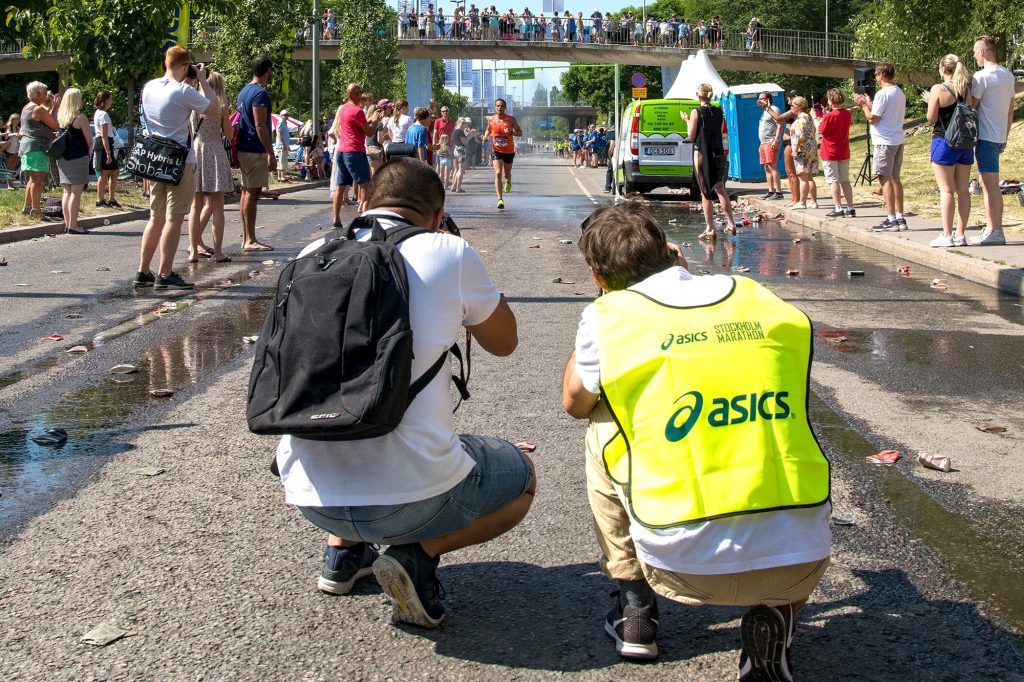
(668, 77)
(417, 83)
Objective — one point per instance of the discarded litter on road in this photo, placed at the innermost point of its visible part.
(534, 246)
(76, 350)
(559, 280)
(268, 262)
(102, 269)
(739, 268)
(55, 436)
(250, 339)
(525, 446)
(161, 393)
(836, 521)
(55, 337)
(904, 270)
(103, 634)
(990, 427)
(937, 462)
(854, 273)
(565, 241)
(148, 471)
(885, 457)
(123, 369)
(792, 273)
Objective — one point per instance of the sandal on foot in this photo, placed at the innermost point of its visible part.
(225, 259)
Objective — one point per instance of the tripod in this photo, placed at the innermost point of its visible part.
(865, 168)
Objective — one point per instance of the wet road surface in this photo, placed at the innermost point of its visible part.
(898, 365)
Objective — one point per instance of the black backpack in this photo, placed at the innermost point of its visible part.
(334, 358)
(962, 131)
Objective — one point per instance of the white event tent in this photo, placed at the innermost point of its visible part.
(695, 70)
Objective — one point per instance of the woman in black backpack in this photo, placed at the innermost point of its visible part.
(952, 167)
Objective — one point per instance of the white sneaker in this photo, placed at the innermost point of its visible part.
(959, 240)
(988, 237)
(942, 241)
(797, 207)
(812, 204)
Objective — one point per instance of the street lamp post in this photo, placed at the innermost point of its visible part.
(315, 26)
(826, 28)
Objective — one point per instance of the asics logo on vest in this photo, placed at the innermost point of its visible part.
(692, 337)
(745, 407)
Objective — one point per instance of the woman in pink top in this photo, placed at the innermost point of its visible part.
(835, 154)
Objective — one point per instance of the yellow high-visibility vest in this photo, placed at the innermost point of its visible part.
(711, 406)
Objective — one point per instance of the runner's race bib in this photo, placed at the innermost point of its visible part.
(500, 141)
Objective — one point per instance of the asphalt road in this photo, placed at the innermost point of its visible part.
(213, 576)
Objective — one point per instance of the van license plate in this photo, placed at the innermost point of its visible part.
(660, 150)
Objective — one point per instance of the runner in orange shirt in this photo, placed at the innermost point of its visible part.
(501, 129)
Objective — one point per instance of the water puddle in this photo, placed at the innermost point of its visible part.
(164, 306)
(97, 416)
(972, 554)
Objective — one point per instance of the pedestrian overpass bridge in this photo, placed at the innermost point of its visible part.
(807, 53)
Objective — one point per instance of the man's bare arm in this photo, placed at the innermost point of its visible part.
(577, 401)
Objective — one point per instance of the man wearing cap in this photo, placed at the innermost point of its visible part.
(282, 145)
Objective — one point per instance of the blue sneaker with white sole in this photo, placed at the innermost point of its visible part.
(409, 577)
(343, 566)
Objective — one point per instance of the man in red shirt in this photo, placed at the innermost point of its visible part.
(501, 129)
(443, 126)
(835, 154)
(353, 164)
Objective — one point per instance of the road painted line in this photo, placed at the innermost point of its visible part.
(584, 189)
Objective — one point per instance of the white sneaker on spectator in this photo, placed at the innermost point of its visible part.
(988, 237)
(797, 207)
(812, 204)
(941, 241)
(959, 240)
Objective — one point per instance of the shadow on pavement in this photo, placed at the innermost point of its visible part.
(525, 616)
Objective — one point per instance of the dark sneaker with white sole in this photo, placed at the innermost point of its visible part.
(172, 281)
(901, 224)
(143, 279)
(767, 637)
(634, 629)
(885, 226)
(409, 577)
(343, 566)
(849, 213)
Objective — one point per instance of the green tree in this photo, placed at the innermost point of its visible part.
(595, 85)
(456, 103)
(368, 51)
(540, 96)
(12, 90)
(113, 41)
(234, 34)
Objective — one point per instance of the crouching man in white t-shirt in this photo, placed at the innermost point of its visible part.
(704, 477)
(420, 489)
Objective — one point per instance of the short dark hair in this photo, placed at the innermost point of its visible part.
(501, 100)
(885, 70)
(625, 245)
(406, 183)
(261, 65)
(100, 98)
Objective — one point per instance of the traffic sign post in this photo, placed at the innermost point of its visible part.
(639, 80)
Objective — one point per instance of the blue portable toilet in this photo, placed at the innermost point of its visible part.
(742, 114)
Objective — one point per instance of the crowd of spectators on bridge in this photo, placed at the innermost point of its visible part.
(487, 23)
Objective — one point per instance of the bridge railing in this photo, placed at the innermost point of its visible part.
(523, 30)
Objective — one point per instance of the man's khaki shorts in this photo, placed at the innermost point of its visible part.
(888, 160)
(167, 199)
(255, 173)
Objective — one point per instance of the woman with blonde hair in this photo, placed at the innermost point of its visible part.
(37, 126)
(710, 164)
(952, 167)
(803, 138)
(213, 176)
(73, 166)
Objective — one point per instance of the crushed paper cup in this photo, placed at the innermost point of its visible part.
(931, 461)
(885, 457)
(904, 270)
(123, 369)
(55, 337)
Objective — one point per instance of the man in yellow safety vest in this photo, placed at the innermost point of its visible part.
(705, 479)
